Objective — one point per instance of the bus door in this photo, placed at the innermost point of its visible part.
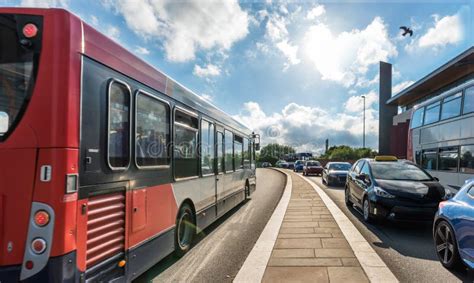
(220, 171)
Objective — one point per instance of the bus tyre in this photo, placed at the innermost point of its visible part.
(184, 231)
(247, 191)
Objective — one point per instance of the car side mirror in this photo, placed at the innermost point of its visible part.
(436, 179)
(4, 119)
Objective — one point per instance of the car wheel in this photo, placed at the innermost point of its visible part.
(446, 247)
(184, 231)
(347, 197)
(366, 210)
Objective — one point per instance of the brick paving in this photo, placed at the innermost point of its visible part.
(310, 246)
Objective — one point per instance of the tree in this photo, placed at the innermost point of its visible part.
(273, 152)
(344, 152)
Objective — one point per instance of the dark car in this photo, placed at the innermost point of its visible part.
(266, 164)
(453, 229)
(299, 164)
(291, 165)
(335, 173)
(385, 188)
(312, 167)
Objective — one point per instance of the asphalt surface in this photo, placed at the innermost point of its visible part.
(407, 249)
(223, 247)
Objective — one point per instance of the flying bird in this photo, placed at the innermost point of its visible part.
(406, 30)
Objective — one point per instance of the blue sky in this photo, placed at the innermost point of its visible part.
(291, 70)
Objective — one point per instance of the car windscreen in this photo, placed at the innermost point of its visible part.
(398, 171)
(314, 163)
(340, 167)
(18, 64)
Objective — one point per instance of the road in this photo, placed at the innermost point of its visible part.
(407, 249)
(223, 247)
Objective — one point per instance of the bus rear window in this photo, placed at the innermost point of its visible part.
(19, 58)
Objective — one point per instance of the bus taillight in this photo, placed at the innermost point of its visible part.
(41, 218)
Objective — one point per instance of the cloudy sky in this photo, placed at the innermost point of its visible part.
(292, 70)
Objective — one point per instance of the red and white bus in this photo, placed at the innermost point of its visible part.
(106, 164)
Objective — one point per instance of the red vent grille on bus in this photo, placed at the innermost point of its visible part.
(105, 227)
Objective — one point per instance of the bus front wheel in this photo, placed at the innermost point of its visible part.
(184, 231)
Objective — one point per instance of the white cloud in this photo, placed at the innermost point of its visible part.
(401, 86)
(364, 82)
(345, 56)
(355, 103)
(112, 32)
(186, 27)
(208, 71)
(306, 128)
(142, 50)
(447, 30)
(94, 21)
(317, 11)
(44, 3)
(277, 34)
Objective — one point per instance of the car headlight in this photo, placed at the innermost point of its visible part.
(448, 194)
(382, 193)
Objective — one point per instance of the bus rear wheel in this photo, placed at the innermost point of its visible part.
(184, 231)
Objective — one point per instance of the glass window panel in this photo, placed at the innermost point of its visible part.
(247, 156)
(428, 159)
(448, 159)
(432, 113)
(229, 143)
(469, 100)
(467, 159)
(185, 150)
(220, 152)
(152, 132)
(451, 106)
(238, 160)
(417, 119)
(207, 147)
(119, 126)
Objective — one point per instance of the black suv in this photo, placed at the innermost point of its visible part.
(387, 188)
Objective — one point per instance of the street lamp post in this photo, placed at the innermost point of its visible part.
(363, 134)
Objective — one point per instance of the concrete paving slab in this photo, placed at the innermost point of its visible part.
(296, 274)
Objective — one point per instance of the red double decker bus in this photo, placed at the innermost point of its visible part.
(106, 164)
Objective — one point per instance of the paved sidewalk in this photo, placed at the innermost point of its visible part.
(310, 246)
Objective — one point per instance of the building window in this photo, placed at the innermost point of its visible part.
(428, 159)
(119, 126)
(220, 152)
(207, 147)
(451, 106)
(417, 119)
(228, 157)
(152, 131)
(466, 164)
(432, 113)
(468, 100)
(448, 159)
(185, 145)
(418, 157)
(238, 160)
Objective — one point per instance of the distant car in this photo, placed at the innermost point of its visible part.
(291, 165)
(335, 173)
(386, 188)
(312, 167)
(299, 164)
(279, 163)
(453, 229)
(266, 164)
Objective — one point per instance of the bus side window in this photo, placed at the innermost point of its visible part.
(207, 147)
(220, 152)
(238, 160)
(246, 153)
(118, 151)
(185, 145)
(229, 154)
(152, 132)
